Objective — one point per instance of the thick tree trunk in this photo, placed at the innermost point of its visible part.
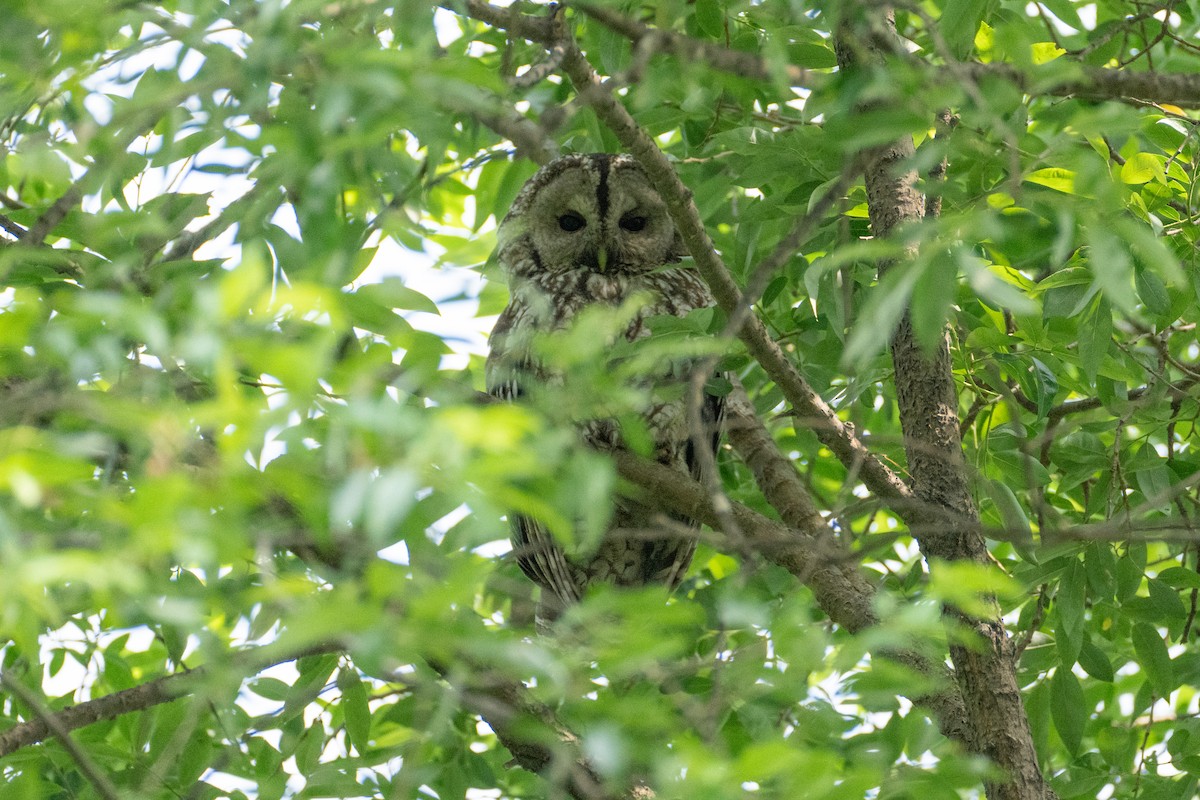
(928, 407)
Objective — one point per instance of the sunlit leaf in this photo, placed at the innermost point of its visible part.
(1062, 180)
(1142, 168)
(958, 23)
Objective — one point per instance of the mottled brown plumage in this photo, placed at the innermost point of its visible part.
(588, 230)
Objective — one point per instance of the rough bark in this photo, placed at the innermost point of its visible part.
(927, 401)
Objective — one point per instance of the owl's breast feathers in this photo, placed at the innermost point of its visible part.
(638, 549)
(548, 301)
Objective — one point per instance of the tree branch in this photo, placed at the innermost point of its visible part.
(506, 708)
(187, 243)
(100, 781)
(775, 475)
(504, 705)
(840, 590)
(1098, 83)
(806, 403)
(535, 29)
(1093, 83)
(12, 228)
(139, 698)
(809, 553)
(832, 432)
(527, 136)
(36, 235)
(737, 62)
(927, 401)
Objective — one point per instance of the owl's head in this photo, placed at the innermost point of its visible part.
(595, 212)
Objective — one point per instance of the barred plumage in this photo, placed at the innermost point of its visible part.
(588, 230)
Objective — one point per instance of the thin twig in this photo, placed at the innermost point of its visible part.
(11, 227)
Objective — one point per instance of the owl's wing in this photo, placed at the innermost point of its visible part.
(542, 560)
(669, 559)
(504, 368)
(712, 417)
(537, 554)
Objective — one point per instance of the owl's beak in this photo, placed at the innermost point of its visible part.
(602, 259)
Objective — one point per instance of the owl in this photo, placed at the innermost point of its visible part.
(590, 230)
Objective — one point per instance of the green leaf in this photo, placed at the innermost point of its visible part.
(710, 18)
(1150, 249)
(270, 688)
(884, 308)
(971, 587)
(1095, 662)
(773, 289)
(588, 483)
(931, 298)
(1066, 11)
(959, 21)
(1067, 708)
(808, 49)
(1153, 480)
(392, 293)
(1038, 704)
(1109, 259)
(1101, 566)
(1071, 276)
(1180, 577)
(1095, 336)
(1057, 178)
(1170, 608)
(1069, 604)
(1129, 575)
(1152, 291)
(1142, 168)
(1154, 659)
(1040, 385)
(355, 709)
(1016, 522)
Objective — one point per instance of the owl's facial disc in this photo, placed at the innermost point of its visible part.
(579, 241)
(598, 213)
(639, 231)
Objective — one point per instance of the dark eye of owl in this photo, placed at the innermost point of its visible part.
(633, 223)
(571, 222)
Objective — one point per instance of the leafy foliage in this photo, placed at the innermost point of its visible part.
(246, 266)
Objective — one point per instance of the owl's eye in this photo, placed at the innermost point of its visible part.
(633, 223)
(571, 222)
